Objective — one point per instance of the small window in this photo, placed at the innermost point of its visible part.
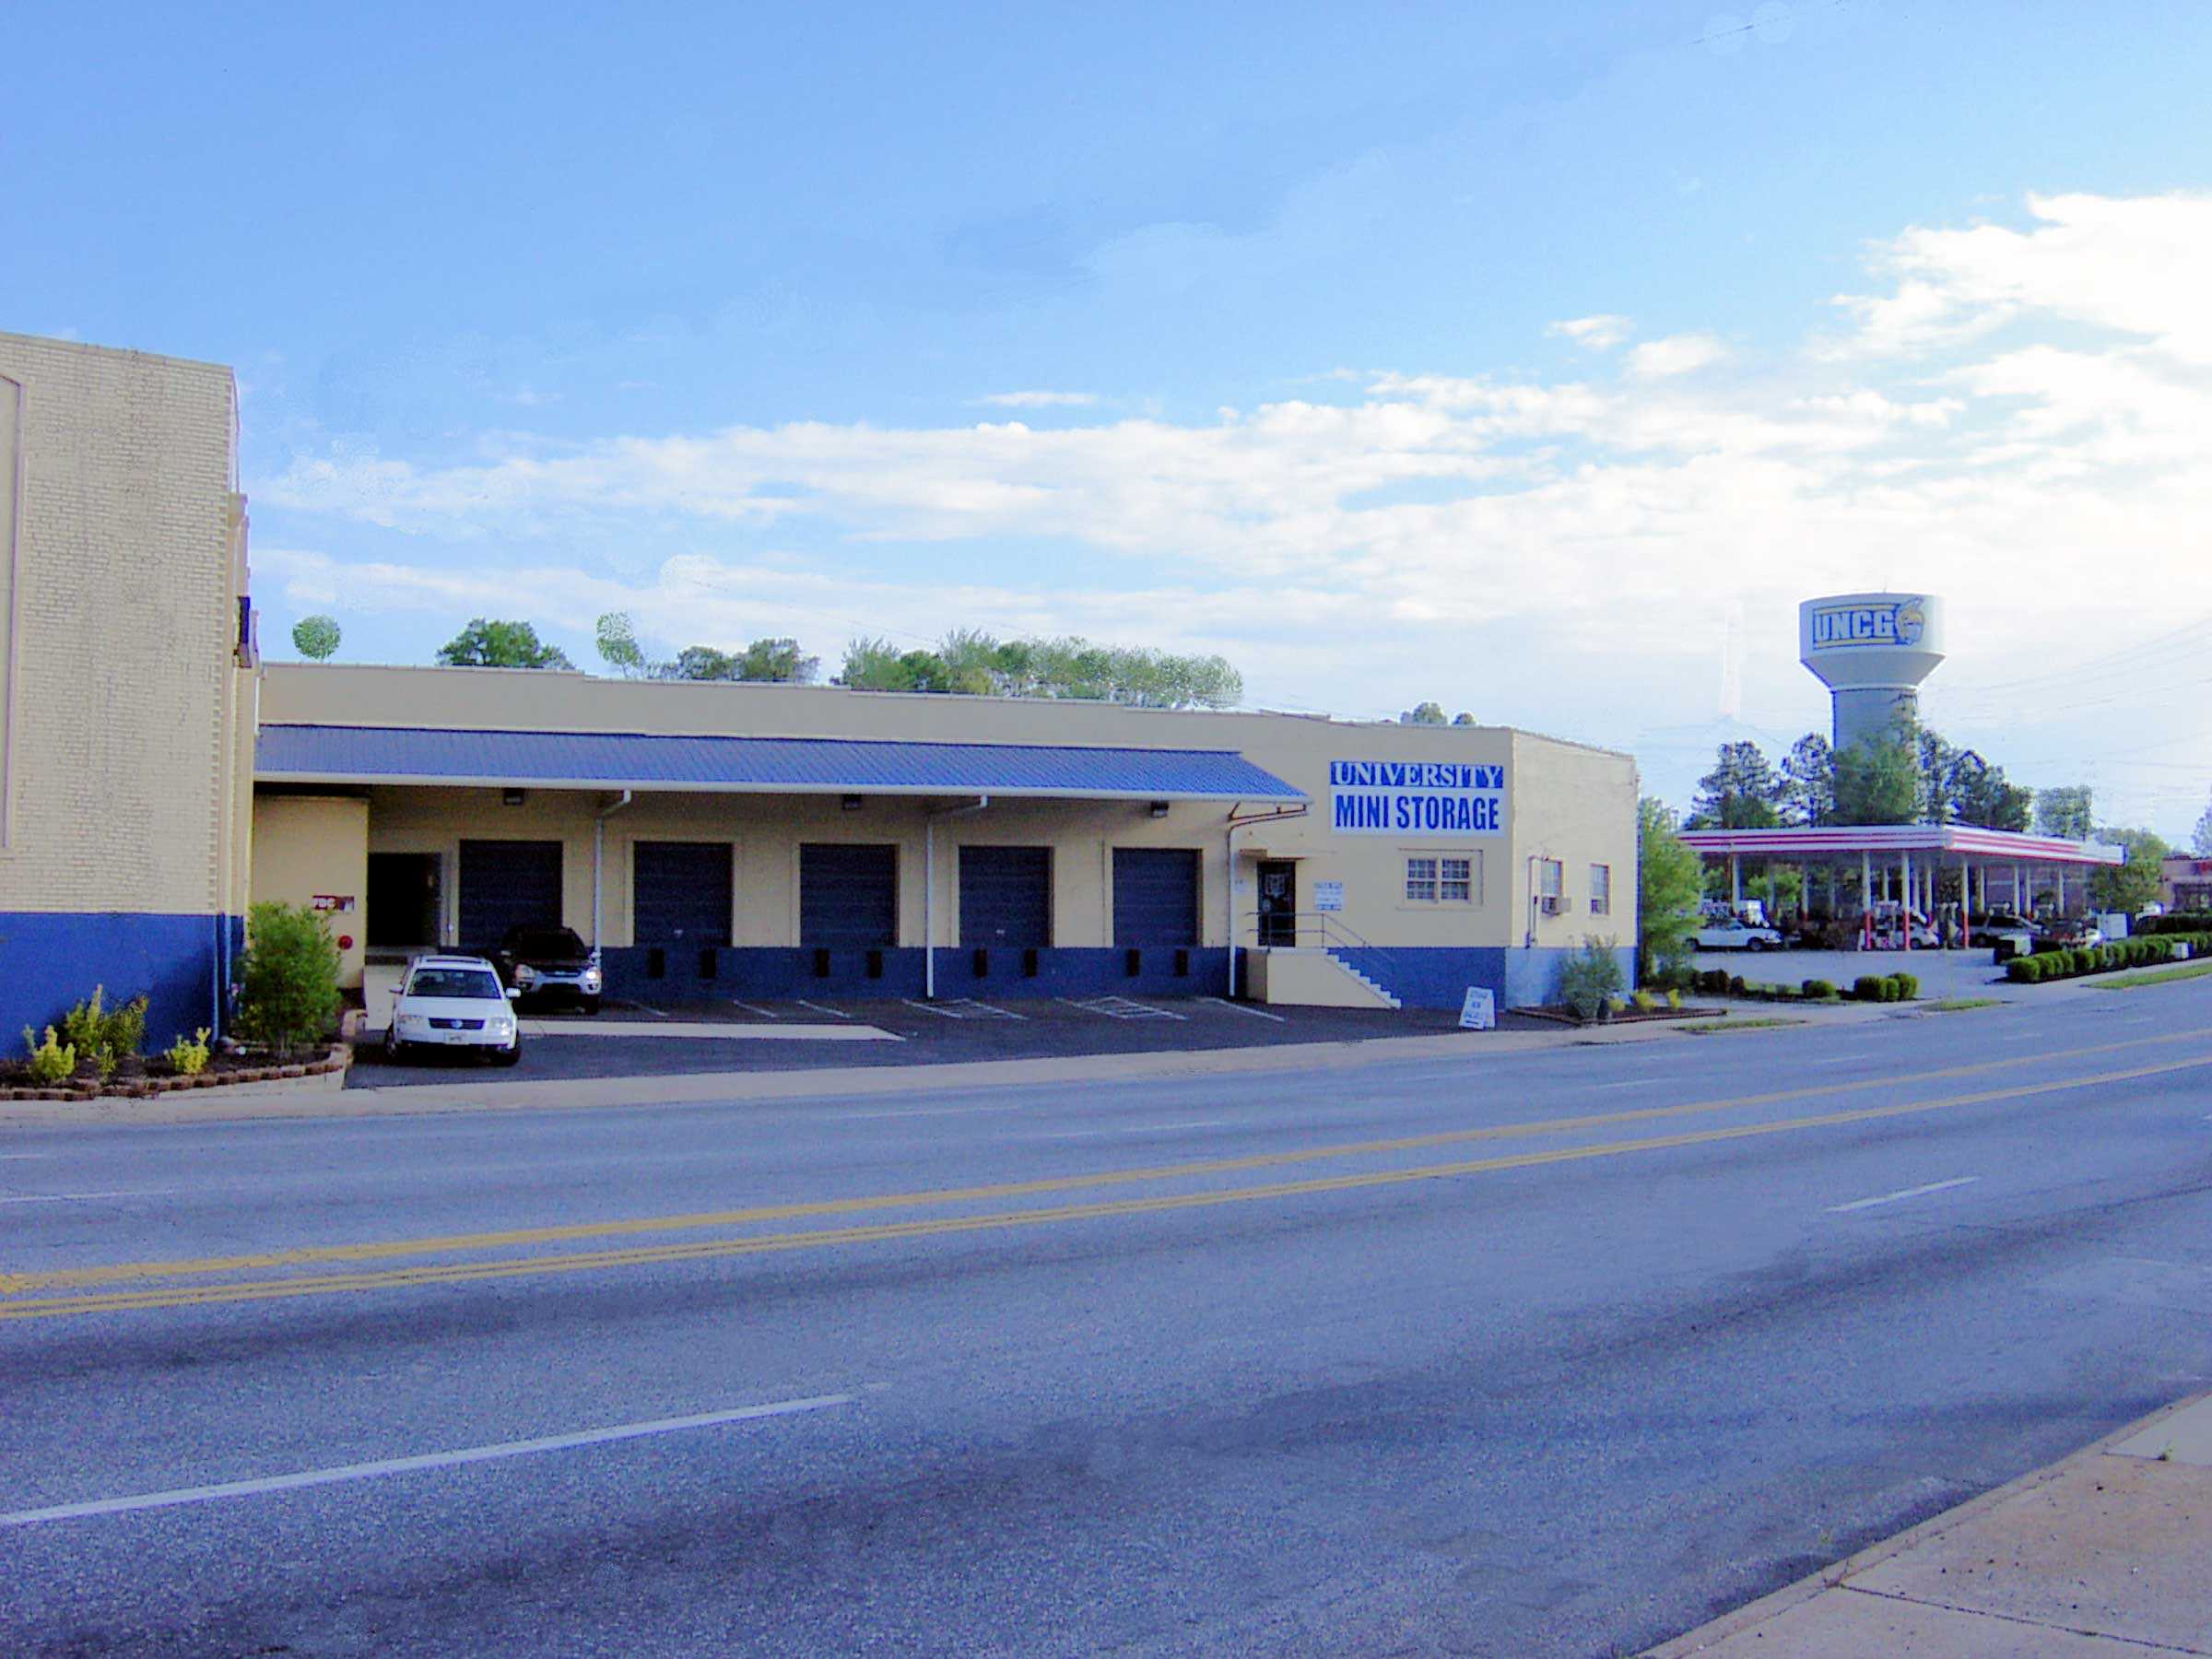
(1552, 879)
(1600, 889)
(1442, 878)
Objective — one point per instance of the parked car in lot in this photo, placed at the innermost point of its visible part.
(1734, 935)
(1989, 929)
(2069, 933)
(454, 1002)
(550, 964)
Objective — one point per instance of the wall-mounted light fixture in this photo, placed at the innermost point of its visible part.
(513, 797)
(849, 803)
(1159, 809)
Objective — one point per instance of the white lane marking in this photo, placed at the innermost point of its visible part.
(1839, 1060)
(2015, 1036)
(74, 1197)
(1256, 1013)
(749, 1007)
(819, 1008)
(428, 1460)
(14, 1156)
(1630, 1083)
(1136, 1129)
(855, 1117)
(1933, 1186)
(994, 1010)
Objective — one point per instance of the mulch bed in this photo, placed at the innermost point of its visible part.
(156, 1079)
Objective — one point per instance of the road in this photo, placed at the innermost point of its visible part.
(1557, 1352)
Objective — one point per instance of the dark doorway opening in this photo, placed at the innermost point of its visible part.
(405, 901)
(1278, 903)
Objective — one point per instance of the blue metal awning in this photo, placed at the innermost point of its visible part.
(341, 754)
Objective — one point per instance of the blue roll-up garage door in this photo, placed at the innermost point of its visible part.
(682, 892)
(506, 884)
(848, 896)
(1006, 897)
(1155, 896)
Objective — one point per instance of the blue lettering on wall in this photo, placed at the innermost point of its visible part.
(1405, 797)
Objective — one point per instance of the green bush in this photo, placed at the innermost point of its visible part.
(1674, 999)
(1590, 979)
(1867, 988)
(51, 1061)
(104, 1035)
(1907, 985)
(1736, 984)
(1819, 990)
(288, 976)
(2025, 970)
(189, 1054)
(1646, 1003)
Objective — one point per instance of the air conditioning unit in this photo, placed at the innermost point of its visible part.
(1551, 904)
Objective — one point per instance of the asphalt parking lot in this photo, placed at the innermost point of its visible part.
(570, 1045)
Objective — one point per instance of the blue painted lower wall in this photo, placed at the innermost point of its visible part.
(50, 962)
(1438, 977)
(1429, 978)
(675, 976)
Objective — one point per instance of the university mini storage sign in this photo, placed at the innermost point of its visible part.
(1415, 797)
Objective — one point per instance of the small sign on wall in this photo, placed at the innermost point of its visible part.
(1328, 895)
(332, 903)
(1478, 1012)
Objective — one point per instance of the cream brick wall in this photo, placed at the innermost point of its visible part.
(308, 846)
(1565, 801)
(130, 724)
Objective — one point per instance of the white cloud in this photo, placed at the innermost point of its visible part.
(1677, 354)
(1595, 332)
(1041, 400)
(2021, 421)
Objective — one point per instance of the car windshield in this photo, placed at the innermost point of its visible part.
(544, 941)
(477, 983)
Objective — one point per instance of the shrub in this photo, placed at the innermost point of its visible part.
(1674, 999)
(1907, 985)
(1736, 984)
(1867, 988)
(2025, 970)
(1819, 990)
(288, 976)
(1590, 979)
(104, 1035)
(1645, 1002)
(51, 1061)
(189, 1054)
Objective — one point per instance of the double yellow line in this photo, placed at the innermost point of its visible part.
(173, 1296)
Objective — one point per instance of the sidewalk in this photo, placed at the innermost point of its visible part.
(2106, 1554)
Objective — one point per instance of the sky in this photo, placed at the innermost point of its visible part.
(1534, 358)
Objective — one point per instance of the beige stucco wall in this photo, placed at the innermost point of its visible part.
(125, 741)
(1564, 800)
(307, 847)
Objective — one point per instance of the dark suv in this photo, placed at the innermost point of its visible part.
(550, 963)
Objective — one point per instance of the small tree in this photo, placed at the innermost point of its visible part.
(2066, 812)
(619, 648)
(316, 638)
(1809, 780)
(1878, 779)
(1463, 718)
(288, 976)
(1428, 713)
(1741, 792)
(2200, 838)
(1668, 884)
(2128, 887)
(486, 644)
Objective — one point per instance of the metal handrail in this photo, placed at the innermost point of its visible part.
(1324, 924)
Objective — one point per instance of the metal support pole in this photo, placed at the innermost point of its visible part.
(1905, 858)
(1736, 883)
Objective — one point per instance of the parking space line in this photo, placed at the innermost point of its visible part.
(938, 1009)
(992, 1009)
(1119, 1007)
(821, 1008)
(1256, 1013)
(749, 1007)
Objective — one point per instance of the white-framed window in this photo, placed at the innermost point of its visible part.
(1600, 889)
(1444, 878)
(1551, 878)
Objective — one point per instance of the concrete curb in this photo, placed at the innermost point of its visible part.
(1778, 1602)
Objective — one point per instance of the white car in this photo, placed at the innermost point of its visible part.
(454, 1002)
(1735, 935)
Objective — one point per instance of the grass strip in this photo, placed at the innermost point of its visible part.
(1958, 1004)
(2154, 976)
(1705, 1027)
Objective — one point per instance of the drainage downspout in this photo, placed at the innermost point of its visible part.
(599, 860)
(929, 889)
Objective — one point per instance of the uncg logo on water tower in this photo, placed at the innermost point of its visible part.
(1903, 623)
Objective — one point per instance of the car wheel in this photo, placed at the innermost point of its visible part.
(1755, 944)
(396, 1051)
(507, 1056)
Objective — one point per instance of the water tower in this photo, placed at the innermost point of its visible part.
(1871, 650)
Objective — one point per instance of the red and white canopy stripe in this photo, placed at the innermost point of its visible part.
(1843, 841)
